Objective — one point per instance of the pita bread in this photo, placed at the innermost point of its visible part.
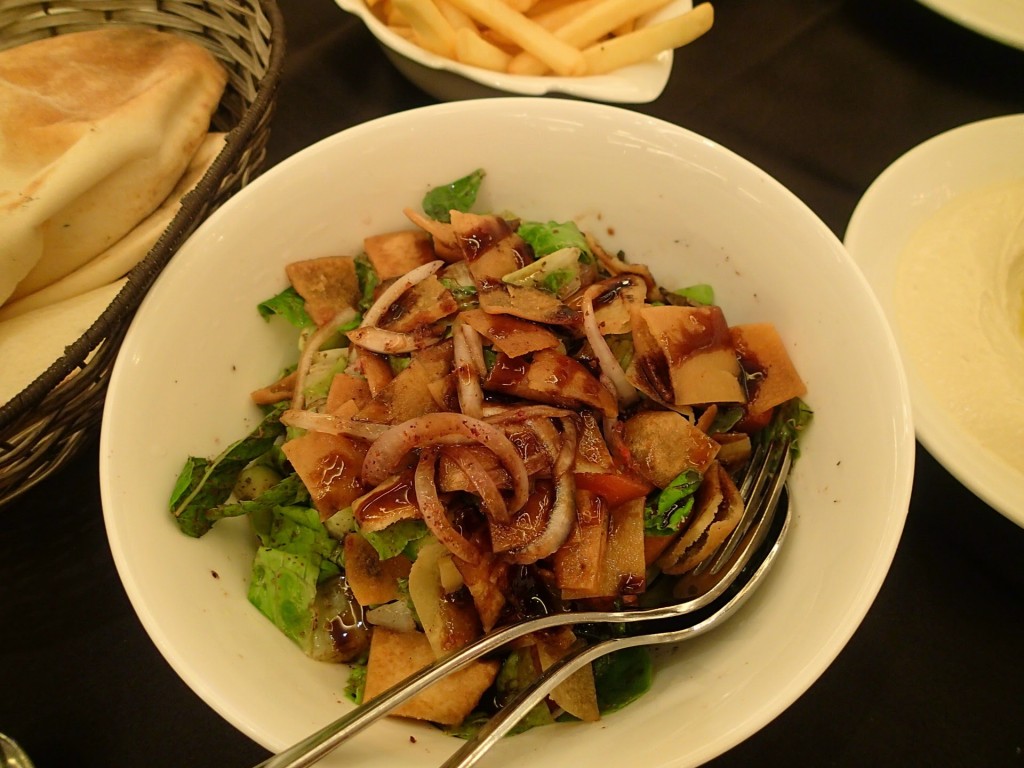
(119, 259)
(31, 343)
(95, 130)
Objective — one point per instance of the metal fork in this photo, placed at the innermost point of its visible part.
(763, 486)
(674, 630)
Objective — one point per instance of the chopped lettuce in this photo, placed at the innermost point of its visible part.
(557, 272)
(356, 685)
(667, 510)
(397, 538)
(368, 280)
(296, 528)
(465, 295)
(204, 484)
(294, 556)
(790, 420)
(701, 294)
(283, 588)
(550, 236)
(622, 677)
(321, 373)
(289, 305)
(288, 491)
(726, 419)
(459, 195)
(518, 670)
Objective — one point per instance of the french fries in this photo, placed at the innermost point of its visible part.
(538, 37)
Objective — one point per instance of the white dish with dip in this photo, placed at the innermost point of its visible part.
(1001, 20)
(940, 235)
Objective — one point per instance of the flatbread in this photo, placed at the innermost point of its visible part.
(31, 343)
(118, 260)
(95, 130)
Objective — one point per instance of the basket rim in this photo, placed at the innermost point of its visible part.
(143, 274)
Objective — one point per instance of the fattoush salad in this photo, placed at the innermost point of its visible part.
(489, 419)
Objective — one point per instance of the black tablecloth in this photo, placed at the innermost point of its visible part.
(822, 94)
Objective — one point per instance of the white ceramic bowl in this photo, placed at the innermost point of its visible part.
(450, 80)
(688, 207)
(893, 208)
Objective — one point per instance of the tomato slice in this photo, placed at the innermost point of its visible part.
(614, 487)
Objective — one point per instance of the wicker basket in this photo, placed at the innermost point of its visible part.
(51, 419)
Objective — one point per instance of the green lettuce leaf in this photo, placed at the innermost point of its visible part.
(726, 419)
(459, 195)
(283, 587)
(549, 236)
(557, 272)
(289, 305)
(289, 491)
(517, 671)
(790, 419)
(396, 538)
(667, 510)
(464, 295)
(368, 280)
(356, 685)
(297, 529)
(326, 364)
(622, 677)
(701, 294)
(295, 555)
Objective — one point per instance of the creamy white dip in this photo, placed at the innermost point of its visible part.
(959, 297)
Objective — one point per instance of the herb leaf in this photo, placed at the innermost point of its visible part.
(368, 280)
(394, 539)
(622, 677)
(204, 484)
(289, 305)
(667, 510)
(550, 236)
(356, 685)
(458, 195)
(701, 294)
(790, 420)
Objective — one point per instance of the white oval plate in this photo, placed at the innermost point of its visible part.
(895, 205)
(450, 80)
(692, 210)
(1001, 20)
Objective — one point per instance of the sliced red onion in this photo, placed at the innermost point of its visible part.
(391, 294)
(563, 511)
(333, 425)
(395, 615)
(444, 428)
(389, 342)
(483, 483)
(433, 511)
(610, 367)
(475, 346)
(467, 376)
(312, 346)
(504, 415)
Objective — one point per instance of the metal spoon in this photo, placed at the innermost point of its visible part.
(11, 755)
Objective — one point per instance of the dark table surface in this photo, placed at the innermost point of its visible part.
(822, 94)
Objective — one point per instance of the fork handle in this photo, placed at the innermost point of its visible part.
(315, 746)
(526, 699)
(582, 654)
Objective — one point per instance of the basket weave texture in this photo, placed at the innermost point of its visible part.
(46, 424)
